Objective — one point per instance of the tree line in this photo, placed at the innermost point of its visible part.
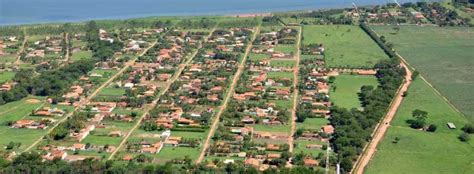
(353, 127)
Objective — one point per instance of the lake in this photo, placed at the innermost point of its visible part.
(45, 11)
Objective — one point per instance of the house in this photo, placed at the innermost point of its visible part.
(55, 154)
(252, 162)
(29, 124)
(273, 155)
(6, 87)
(308, 162)
(116, 134)
(127, 158)
(213, 97)
(36, 53)
(366, 72)
(273, 147)
(164, 77)
(74, 92)
(328, 129)
(48, 112)
(172, 141)
(248, 120)
(155, 148)
(78, 146)
(282, 92)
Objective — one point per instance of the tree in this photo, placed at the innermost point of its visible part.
(432, 128)
(468, 128)
(464, 137)
(419, 114)
(59, 133)
(419, 121)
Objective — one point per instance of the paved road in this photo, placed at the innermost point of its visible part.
(228, 96)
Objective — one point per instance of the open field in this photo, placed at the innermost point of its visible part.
(14, 111)
(112, 92)
(441, 55)
(280, 75)
(345, 45)
(312, 123)
(419, 151)
(282, 63)
(81, 55)
(347, 88)
(5, 76)
(7, 59)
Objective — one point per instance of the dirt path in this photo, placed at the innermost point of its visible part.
(66, 57)
(295, 92)
(22, 48)
(227, 97)
(84, 101)
(383, 126)
(148, 108)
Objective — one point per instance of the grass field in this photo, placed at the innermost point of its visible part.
(282, 63)
(443, 55)
(347, 89)
(345, 46)
(169, 153)
(112, 92)
(312, 123)
(268, 128)
(8, 59)
(6, 76)
(14, 111)
(301, 147)
(258, 57)
(81, 55)
(424, 152)
(280, 75)
(286, 49)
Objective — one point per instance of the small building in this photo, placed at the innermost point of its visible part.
(451, 125)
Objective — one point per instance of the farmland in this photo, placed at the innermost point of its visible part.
(441, 56)
(346, 46)
(416, 150)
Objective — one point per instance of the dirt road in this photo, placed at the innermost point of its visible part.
(383, 126)
(22, 49)
(227, 97)
(295, 92)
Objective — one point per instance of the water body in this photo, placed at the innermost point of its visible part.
(46, 11)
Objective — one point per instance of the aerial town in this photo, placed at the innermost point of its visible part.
(376, 89)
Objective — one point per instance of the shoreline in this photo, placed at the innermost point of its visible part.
(218, 13)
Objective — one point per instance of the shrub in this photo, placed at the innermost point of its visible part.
(432, 128)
